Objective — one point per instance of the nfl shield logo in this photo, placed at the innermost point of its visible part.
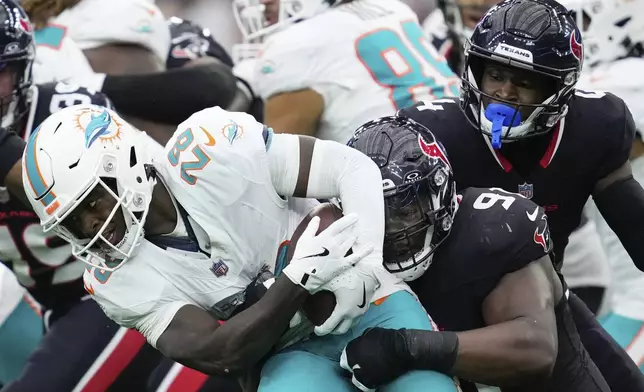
(525, 190)
(219, 268)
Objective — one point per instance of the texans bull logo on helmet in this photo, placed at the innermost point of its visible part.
(576, 46)
(432, 150)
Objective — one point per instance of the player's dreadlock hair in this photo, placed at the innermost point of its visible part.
(40, 11)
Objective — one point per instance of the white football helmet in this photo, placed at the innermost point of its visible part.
(611, 29)
(71, 153)
(251, 16)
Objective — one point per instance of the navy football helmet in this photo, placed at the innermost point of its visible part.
(539, 36)
(419, 190)
(17, 52)
(189, 41)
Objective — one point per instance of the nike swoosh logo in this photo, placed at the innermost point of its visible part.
(324, 253)
(533, 216)
(211, 140)
(364, 296)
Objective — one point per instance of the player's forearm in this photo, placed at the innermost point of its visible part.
(246, 338)
(512, 353)
(172, 96)
(622, 206)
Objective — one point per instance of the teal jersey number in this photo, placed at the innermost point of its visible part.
(50, 35)
(394, 64)
(183, 142)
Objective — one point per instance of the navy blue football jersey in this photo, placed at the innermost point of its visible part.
(494, 233)
(563, 167)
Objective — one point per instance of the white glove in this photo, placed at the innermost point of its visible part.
(318, 259)
(353, 290)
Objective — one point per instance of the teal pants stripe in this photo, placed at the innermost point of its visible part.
(629, 334)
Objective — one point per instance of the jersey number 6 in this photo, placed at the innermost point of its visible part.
(184, 140)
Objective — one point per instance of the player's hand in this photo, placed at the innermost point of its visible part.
(376, 358)
(317, 259)
(353, 290)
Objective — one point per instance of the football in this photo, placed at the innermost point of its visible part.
(319, 306)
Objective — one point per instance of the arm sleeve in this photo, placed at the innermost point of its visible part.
(622, 206)
(171, 97)
(336, 171)
(11, 149)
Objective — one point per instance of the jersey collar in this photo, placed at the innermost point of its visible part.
(553, 146)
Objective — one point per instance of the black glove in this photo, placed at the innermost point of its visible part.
(376, 358)
(381, 355)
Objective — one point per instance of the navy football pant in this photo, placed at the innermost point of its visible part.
(618, 369)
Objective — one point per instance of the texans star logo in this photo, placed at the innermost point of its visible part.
(432, 150)
(576, 46)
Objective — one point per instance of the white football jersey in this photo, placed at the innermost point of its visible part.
(366, 59)
(622, 78)
(216, 166)
(58, 58)
(93, 23)
(11, 293)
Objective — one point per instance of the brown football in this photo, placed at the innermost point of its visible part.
(319, 306)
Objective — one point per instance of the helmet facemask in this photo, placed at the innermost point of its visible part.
(418, 188)
(508, 124)
(418, 218)
(126, 219)
(88, 175)
(255, 26)
(532, 41)
(454, 12)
